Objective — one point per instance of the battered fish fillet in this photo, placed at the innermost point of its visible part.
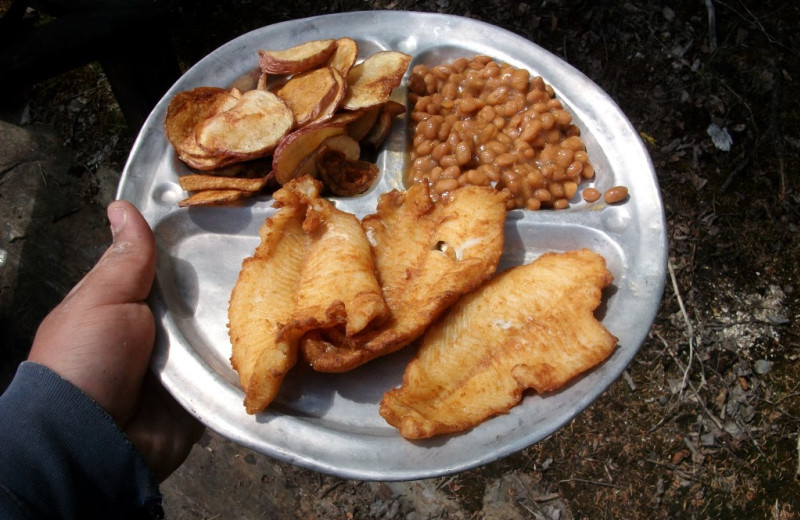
(312, 270)
(427, 255)
(532, 326)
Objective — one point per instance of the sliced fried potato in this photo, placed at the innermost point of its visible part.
(344, 118)
(345, 177)
(366, 119)
(200, 182)
(252, 128)
(371, 82)
(298, 145)
(336, 99)
(299, 58)
(344, 56)
(189, 108)
(208, 162)
(214, 198)
(308, 93)
(380, 130)
(341, 143)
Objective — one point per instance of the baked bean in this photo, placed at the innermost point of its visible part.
(477, 177)
(448, 160)
(570, 189)
(440, 150)
(542, 195)
(416, 84)
(487, 114)
(531, 130)
(615, 194)
(563, 118)
(497, 96)
(424, 148)
(574, 169)
(443, 186)
(506, 159)
(556, 189)
(451, 172)
(591, 194)
(491, 171)
(560, 204)
(463, 153)
(481, 122)
(533, 204)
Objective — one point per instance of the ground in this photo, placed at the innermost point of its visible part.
(703, 424)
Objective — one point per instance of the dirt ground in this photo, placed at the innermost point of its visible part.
(705, 421)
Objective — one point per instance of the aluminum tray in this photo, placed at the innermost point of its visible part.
(330, 423)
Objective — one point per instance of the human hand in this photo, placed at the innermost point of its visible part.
(100, 338)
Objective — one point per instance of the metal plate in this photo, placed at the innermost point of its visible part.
(330, 423)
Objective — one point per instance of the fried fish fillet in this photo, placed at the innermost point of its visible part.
(531, 326)
(312, 270)
(427, 255)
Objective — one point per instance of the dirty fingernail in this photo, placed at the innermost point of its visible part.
(117, 216)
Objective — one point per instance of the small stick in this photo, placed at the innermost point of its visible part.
(712, 25)
(689, 328)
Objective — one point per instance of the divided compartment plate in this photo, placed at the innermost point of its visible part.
(330, 422)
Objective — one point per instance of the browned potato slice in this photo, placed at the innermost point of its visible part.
(214, 198)
(335, 102)
(298, 145)
(380, 130)
(299, 58)
(371, 82)
(345, 177)
(208, 162)
(344, 118)
(189, 108)
(308, 93)
(345, 145)
(344, 56)
(366, 119)
(341, 143)
(200, 182)
(252, 128)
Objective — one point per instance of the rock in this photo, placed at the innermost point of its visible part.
(762, 366)
(49, 235)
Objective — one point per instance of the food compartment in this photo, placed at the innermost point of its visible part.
(487, 120)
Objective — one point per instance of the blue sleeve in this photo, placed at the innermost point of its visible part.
(62, 456)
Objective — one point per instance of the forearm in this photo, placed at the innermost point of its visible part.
(62, 455)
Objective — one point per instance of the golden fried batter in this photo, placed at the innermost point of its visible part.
(427, 255)
(530, 327)
(312, 270)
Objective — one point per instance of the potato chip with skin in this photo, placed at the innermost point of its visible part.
(186, 110)
(297, 146)
(214, 197)
(308, 93)
(200, 182)
(299, 58)
(372, 81)
(251, 128)
(344, 56)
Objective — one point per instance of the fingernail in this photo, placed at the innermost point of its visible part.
(117, 216)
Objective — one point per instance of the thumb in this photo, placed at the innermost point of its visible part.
(125, 272)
